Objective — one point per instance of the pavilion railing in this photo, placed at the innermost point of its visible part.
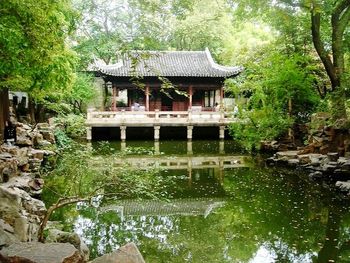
(160, 117)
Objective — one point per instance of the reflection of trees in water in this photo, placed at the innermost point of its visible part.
(292, 219)
(295, 212)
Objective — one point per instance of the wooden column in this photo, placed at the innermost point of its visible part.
(221, 97)
(147, 98)
(114, 98)
(190, 94)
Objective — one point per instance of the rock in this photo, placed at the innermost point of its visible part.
(9, 205)
(21, 161)
(5, 156)
(49, 153)
(24, 141)
(316, 175)
(38, 138)
(58, 236)
(270, 161)
(49, 136)
(344, 186)
(308, 149)
(304, 159)
(44, 253)
(8, 169)
(44, 143)
(37, 154)
(329, 168)
(22, 137)
(36, 184)
(20, 210)
(55, 235)
(21, 228)
(6, 227)
(324, 149)
(42, 126)
(84, 251)
(34, 164)
(26, 127)
(293, 162)
(333, 157)
(287, 155)
(6, 238)
(125, 254)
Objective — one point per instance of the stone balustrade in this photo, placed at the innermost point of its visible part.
(158, 119)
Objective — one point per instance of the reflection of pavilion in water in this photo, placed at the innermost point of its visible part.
(201, 189)
(187, 206)
(214, 164)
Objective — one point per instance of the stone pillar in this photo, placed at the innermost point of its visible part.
(156, 147)
(222, 132)
(122, 133)
(189, 148)
(221, 147)
(190, 94)
(123, 146)
(189, 132)
(147, 98)
(156, 133)
(89, 133)
(189, 169)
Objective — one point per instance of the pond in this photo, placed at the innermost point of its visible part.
(222, 207)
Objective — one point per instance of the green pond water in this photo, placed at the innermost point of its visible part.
(224, 207)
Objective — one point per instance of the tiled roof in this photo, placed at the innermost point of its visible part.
(167, 64)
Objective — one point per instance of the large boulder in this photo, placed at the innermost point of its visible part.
(19, 210)
(7, 236)
(42, 253)
(125, 254)
(59, 236)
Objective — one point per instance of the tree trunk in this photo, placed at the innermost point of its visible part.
(334, 62)
(4, 111)
(60, 203)
(31, 110)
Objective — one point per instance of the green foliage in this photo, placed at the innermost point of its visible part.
(260, 124)
(72, 125)
(62, 140)
(33, 54)
(279, 90)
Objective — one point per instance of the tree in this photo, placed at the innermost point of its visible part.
(328, 27)
(34, 56)
(333, 60)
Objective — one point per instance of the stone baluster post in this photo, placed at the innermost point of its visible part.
(222, 133)
(122, 133)
(189, 132)
(156, 133)
(89, 133)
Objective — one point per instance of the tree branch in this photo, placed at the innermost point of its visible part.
(319, 46)
(342, 5)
